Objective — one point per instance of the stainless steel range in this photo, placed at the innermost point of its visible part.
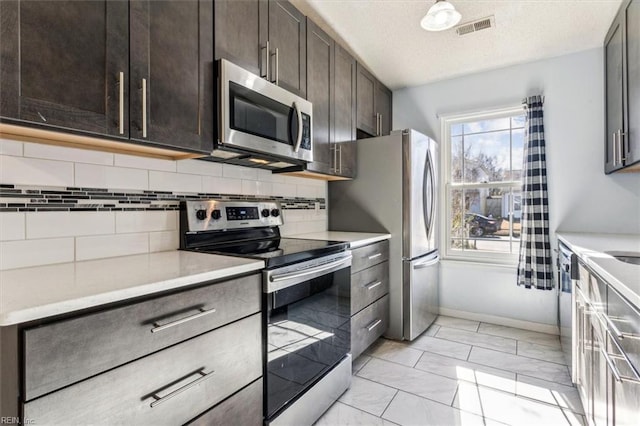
(306, 302)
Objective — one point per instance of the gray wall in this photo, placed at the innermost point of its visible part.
(581, 196)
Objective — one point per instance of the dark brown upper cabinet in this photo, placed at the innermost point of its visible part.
(383, 108)
(139, 70)
(237, 32)
(172, 90)
(331, 74)
(367, 118)
(266, 37)
(373, 104)
(622, 88)
(65, 65)
(320, 92)
(344, 116)
(284, 47)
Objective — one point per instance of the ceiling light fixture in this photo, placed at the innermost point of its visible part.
(441, 16)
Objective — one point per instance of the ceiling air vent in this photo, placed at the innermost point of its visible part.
(472, 27)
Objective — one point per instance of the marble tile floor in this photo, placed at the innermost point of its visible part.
(461, 373)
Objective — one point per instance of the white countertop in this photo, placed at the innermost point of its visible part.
(28, 294)
(355, 239)
(591, 248)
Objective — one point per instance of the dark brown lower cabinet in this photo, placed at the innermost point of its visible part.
(369, 295)
(189, 356)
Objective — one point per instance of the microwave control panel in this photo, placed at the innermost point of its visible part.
(306, 132)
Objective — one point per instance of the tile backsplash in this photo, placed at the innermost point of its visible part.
(61, 204)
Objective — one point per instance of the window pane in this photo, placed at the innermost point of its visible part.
(456, 159)
(518, 121)
(491, 219)
(517, 146)
(487, 157)
(487, 125)
(455, 220)
(456, 129)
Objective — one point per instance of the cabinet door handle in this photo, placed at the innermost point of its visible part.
(121, 102)
(621, 150)
(276, 57)
(372, 285)
(203, 376)
(340, 158)
(335, 158)
(613, 149)
(267, 59)
(144, 107)
(373, 324)
(201, 313)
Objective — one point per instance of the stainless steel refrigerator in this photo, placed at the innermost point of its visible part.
(396, 191)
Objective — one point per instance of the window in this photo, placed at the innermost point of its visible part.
(482, 157)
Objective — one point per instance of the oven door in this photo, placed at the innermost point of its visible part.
(259, 116)
(308, 328)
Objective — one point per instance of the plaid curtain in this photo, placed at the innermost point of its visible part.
(535, 265)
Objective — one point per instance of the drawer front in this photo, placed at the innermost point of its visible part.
(169, 387)
(367, 256)
(626, 320)
(243, 408)
(368, 286)
(64, 352)
(368, 325)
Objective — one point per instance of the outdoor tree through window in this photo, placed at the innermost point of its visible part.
(483, 156)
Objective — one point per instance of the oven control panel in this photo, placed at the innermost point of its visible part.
(214, 215)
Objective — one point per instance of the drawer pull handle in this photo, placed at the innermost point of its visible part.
(372, 285)
(614, 369)
(375, 256)
(202, 313)
(203, 376)
(374, 324)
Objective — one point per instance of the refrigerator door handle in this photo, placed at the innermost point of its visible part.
(428, 196)
(427, 263)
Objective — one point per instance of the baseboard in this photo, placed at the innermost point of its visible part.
(509, 322)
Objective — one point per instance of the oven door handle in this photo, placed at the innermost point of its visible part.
(293, 278)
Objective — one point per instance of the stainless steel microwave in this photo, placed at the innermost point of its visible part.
(259, 121)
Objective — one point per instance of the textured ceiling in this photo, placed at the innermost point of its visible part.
(386, 34)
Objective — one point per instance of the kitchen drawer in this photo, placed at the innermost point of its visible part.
(368, 325)
(244, 408)
(165, 388)
(64, 352)
(367, 256)
(626, 320)
(368, 286)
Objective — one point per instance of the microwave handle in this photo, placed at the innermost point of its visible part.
(299, 137)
